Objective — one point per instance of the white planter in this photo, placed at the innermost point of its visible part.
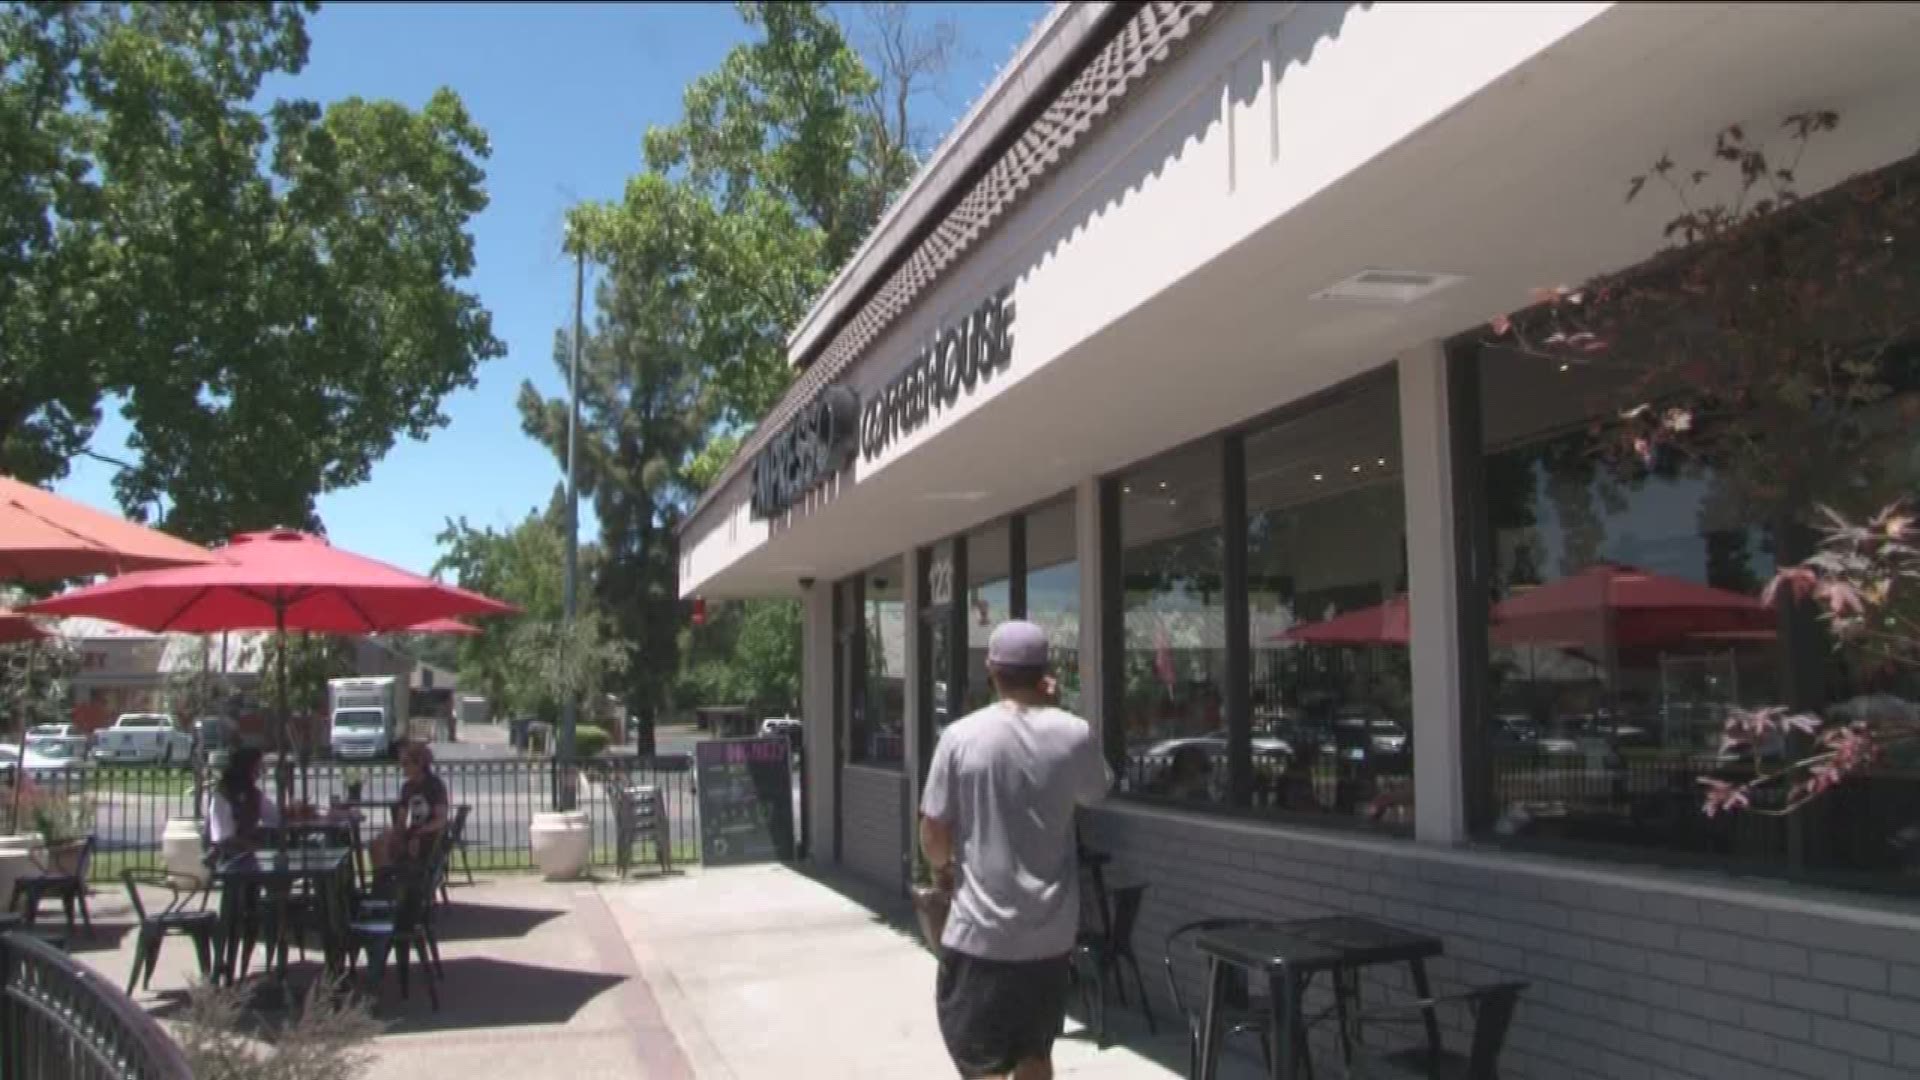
(180, 849)
(561, 842)
(17, 860)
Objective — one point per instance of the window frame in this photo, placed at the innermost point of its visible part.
(1228, 447)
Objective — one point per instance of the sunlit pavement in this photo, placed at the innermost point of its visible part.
(743, 973)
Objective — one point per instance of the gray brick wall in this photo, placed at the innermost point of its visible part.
(873, 830)
(1635, 975)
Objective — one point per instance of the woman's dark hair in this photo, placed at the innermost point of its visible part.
(236, 780)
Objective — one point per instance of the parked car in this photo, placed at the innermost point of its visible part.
(54, 753)
(783, 725)
(143, 738)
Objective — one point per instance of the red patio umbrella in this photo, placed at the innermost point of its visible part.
(44, 537)
(1380, 624)
(280, 580)
(16, 628)
(443, 626)
(1622, 607)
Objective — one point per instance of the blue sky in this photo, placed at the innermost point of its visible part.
(564, 92)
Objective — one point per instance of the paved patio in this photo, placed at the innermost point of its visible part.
(739, 973)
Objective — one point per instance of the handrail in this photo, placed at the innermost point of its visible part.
(58, 1017)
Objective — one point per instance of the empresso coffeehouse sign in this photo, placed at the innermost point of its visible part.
(957, 359)
(820, 442)
(811, 449)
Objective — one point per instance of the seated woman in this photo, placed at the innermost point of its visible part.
(238, 812)
(419, 816)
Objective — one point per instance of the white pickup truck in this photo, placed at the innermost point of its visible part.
(139, 738)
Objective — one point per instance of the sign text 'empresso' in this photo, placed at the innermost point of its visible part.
(811, 449)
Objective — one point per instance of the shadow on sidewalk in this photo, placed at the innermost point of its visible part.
(479, 922)
(480, 992)
(890, 909)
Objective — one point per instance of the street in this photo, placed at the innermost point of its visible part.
(504, 790)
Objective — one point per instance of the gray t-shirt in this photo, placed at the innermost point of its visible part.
(1007, 780)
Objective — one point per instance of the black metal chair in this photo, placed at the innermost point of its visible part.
(1108, 953)
(400, 931)
(70, 889)
(1242, 1014)
(1492, 1006)
(458, 832)
(177, 918)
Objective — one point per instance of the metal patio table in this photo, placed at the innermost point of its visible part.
(1287, 955)
(271, 876)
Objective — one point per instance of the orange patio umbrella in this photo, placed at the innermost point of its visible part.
(44, 537)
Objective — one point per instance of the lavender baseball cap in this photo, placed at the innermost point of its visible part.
(1017, 644)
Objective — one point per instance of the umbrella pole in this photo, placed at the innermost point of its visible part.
(280, 777)
(20, 764)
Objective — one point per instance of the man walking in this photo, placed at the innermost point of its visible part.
(999, 810)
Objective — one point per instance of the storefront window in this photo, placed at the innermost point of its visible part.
(877, 719)
(1626, 624)
(1172, 576)
(1053, 591)
(1327, 612)
(989, 603)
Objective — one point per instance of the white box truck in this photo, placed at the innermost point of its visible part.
(368, 715)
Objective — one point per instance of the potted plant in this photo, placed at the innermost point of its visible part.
(63, 822)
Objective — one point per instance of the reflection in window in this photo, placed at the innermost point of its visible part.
(1327, 605)
(1172, 568)
(1626, 623)
(989, 603)
(1053, 592)
(878, 727)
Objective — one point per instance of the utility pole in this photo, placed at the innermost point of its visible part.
(569, 708)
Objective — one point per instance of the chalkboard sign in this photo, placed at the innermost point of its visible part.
(746, 800)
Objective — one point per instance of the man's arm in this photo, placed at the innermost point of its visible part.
(936, 842)
(1096, 779)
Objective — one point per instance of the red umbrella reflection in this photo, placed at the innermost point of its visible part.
(1381, 624)
(1625, 608)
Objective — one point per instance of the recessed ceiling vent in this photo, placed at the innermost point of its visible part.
(1388, 286)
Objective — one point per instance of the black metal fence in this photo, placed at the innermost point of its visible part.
(129, 806)
(60, 1018)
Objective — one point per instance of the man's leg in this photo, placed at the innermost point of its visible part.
(1034, 1069)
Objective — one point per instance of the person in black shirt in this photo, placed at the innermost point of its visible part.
(421, 813)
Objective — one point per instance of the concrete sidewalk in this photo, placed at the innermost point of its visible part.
(740, 974)
(764, 972)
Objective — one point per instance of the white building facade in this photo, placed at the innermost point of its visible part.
(1180, 346)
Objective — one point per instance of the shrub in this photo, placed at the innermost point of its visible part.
(590, 741)
(325, 1041)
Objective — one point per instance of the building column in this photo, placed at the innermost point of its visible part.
(1087, 550)
(817, 717)
(911, 596)
(1426, 451)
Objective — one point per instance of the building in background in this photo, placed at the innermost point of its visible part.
(1179, 345)
(125, 670)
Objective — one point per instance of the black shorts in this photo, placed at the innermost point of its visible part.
(995, 1014)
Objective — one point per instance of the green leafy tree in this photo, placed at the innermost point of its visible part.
(574, 661)
(523, 566)
(784, 159)
(268, 293)
(747, 653)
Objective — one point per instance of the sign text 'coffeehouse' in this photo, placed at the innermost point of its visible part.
(818, 443)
